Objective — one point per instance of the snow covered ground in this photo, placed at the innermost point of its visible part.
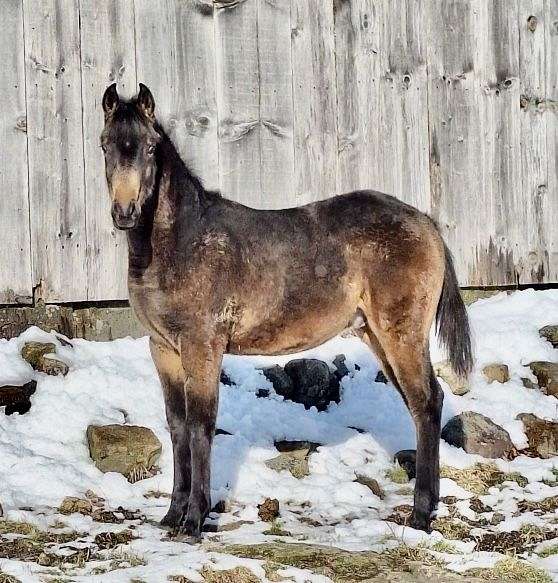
(44, 454)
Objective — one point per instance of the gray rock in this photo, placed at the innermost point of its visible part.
(381, 378)
(542, 435)
(280, 380)
(35, 354)
(314, 385)
(478, 434)
(457, 385)
(340, 366)
(293, 457)
(551, 334)
(125, 449)
(372, 484)
(547, 376)
(496, 373)
(305, 380)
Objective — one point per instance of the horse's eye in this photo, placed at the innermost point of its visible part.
(151, 149)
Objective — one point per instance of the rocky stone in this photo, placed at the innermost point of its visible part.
(305, 380)
(341, 369)
(35, 354)
(499, 373)
(225, 379)
(17, 398)
(547, 376)
(314, 385)
(372, 485)
(123, 448)
(478, 434)
(71, 504)
(407, 459)
(381, 378)
(444, 370)
(551, 334)
(528, 383)
(293, 457)
(268, 510)
(280, 380)
(542, 435)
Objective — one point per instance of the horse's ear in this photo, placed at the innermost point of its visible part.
(110, 100)
(145, 102)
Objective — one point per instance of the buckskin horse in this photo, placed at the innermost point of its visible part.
(209, 276)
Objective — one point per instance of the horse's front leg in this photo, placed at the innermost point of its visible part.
(201, 360)
(171, 373)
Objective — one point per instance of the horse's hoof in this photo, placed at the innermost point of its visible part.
(171, 520)
(190, 539)
(420, 521)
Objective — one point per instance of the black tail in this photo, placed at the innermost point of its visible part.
(452, 323)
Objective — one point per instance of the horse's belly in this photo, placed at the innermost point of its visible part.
(286, 335)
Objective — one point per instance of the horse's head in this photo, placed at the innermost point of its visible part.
(129, 141)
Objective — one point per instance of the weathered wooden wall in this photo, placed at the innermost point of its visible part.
(451, 105)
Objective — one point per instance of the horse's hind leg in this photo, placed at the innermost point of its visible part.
(406, 357)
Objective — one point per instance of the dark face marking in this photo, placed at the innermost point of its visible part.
(129, 141)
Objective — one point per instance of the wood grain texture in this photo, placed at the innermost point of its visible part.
(55, 146)
(107, 56)
(455, 133)
(551, 114)
(314, 99)
(15, 251)
(276, 103)
(238, 100)
(382, 98)
(501, 240)
(534, 139)
(176, 59)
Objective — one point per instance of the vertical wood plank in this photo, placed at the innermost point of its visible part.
(382, 98)
(238, 100)
(457, 194)
(551, 113)
(276, 103)
(534, 147)
(15, 255)
(314, 99)
(55, 146)
(176, 59)
(501, 242)
(107, 56)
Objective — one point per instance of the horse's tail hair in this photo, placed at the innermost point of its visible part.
(452, 324)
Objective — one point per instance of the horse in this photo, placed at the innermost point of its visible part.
(209, 276)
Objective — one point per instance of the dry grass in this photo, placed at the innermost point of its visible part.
(119, 559)
(452, 528)
(548, 551)
(543, 506)
(397, 475)
(5, 578)
(480, 477)
(511, 569)
(515, 541)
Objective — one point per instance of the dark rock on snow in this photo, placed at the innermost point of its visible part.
(16, 398)
(478, 434)
(307, 381)
(341, 369)
(407, 459)
(381, 378)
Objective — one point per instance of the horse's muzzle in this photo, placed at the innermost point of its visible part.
(125, 217)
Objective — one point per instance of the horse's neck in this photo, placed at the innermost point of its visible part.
(169, 215)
